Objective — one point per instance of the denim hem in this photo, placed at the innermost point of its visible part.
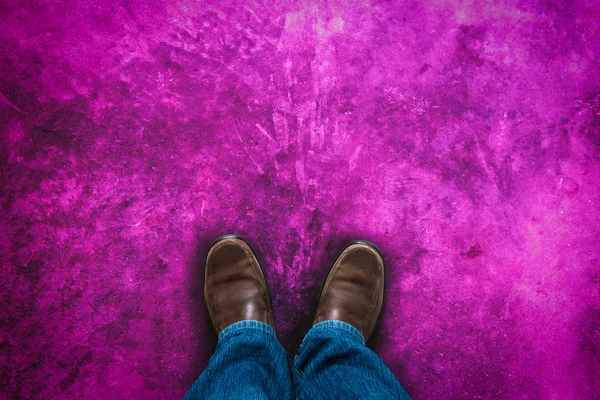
(246, 327)
(335, 327)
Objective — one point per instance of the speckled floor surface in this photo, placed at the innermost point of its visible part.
(463, 139)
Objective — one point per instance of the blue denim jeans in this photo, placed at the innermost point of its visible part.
(332, 363)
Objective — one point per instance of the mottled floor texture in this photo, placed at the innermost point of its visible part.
(461, 138)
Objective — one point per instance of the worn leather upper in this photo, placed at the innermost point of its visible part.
(235, 288)
(354, 289)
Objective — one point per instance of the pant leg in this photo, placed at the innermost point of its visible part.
(249, 363)
(334, 363)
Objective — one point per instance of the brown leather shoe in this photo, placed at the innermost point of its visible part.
(354, 288)
(235, 287)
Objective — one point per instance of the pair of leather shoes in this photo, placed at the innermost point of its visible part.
(235, 287)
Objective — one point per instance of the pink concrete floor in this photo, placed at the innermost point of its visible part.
(461, 138)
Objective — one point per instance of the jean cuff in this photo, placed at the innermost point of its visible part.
(246, 327)
(334, 327)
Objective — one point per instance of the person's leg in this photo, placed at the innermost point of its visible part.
(249, 362)
(333, 361)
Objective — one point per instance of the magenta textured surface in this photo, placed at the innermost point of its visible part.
(461, 138)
